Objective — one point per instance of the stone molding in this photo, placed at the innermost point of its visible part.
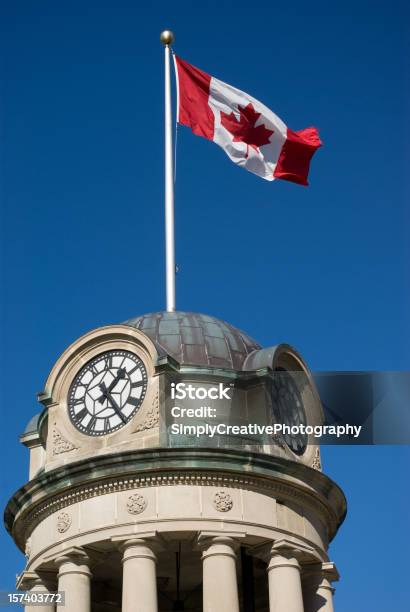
(276, 477)
(88, 345)
(201, 478)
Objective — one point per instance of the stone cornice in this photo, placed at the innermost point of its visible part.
(284, 479)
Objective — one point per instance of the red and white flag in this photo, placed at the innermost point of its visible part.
(249, 133)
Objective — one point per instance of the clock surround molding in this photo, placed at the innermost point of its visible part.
(63, 441)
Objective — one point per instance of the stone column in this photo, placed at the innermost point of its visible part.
(317, 587)
(220, 585)
(285, 587)
(36, 586)
(74, 580)
(139, 580)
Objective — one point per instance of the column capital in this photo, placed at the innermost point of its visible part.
(317, 581)
(330, 571)
(150, 539)
(286, 548)
(279, 560)
(74, 554)
(45, 578)
(26, 580)
(319, 571)
(137, 549)
(124, 544)
(289, 548)
(229, 538)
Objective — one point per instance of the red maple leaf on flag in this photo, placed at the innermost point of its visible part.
(244, 130)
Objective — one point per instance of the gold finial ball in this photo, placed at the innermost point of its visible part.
(167, 37)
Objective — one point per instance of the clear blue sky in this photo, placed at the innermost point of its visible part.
(324, 268)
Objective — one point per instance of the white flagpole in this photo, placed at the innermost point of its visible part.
(167, 38)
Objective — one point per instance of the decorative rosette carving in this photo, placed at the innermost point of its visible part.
(63, 522)
(136, 503)
(223, 502)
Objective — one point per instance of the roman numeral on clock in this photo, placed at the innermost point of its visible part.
(135, 385)
(91, 424)
(134, 401)
(93, 369)
(80, 415)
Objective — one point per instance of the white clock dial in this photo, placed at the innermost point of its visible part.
(107, 392)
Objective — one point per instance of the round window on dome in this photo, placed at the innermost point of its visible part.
(288, 410)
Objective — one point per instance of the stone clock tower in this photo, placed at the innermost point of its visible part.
(119, 514)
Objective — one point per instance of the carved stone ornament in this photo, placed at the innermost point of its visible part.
(27, 550)
(60, 443)
(136, 503)
(63, 522)
(277, 439)
(223, 502)
(316, 463)
(152, 418)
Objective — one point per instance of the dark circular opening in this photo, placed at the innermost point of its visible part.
(288, 409)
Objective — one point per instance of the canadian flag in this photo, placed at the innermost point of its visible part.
(249, 133)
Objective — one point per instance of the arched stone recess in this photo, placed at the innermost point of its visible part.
(62, 442)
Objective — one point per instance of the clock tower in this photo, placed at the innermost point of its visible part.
(124, 512)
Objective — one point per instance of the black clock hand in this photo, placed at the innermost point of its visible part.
(120, 375)
(109, 397)
(116, 407)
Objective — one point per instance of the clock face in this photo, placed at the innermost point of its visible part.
(288, 409)
(107, 392)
